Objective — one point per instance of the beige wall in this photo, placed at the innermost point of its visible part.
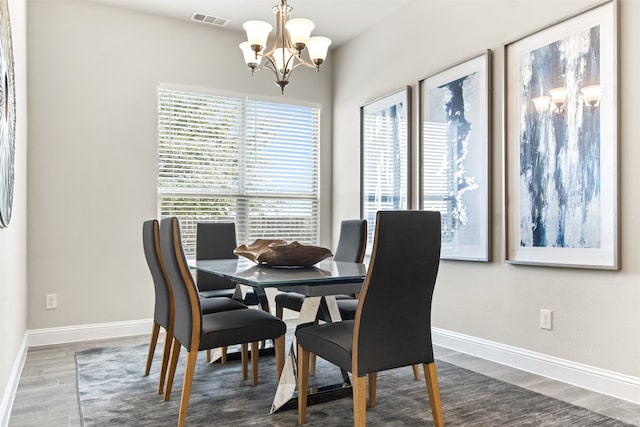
(596, 313)
(93, 73)
(13, 239)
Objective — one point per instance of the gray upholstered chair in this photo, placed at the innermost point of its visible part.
(196, 331)
(351, 247)
(392, 327)
(163, 313)
(217, 240)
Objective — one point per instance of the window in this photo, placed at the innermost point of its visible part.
(385, 157)
(232, 159)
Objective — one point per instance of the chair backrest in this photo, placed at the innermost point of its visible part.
(163, 311)
(188, 317)
(215, 240)
(393, 319)
(352, 242)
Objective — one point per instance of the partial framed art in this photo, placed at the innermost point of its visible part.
(7, 116)
(561, 143)
(385, 139)
(454, 148)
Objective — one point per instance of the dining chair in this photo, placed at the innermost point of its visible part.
(196, 331)
(217, 240)
(351, 247)
(164, 310)
(392, 327)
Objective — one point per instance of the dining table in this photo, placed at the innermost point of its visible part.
(323, 280)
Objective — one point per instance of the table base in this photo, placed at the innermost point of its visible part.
(286, 395)
(319, 395)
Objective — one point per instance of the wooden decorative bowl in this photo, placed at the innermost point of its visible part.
(279, 253)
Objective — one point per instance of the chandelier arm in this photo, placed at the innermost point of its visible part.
(282, 22)
(300, 64)
(290, 65)
(305, 63)
(285, 9)
(281, 33)
(271, 65)
(275, 43)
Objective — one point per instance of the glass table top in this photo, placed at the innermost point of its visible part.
(246, 272)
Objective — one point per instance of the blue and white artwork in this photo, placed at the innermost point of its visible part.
(560, 196)
(561, 143)
(452, 99)
(454, 157)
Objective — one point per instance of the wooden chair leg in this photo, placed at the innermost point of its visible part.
(166, 353)
(416, 372)
(359, 385)
(254, 363)
(279, 311)
(189, 369)
(312, 365)
(175, 352)
(431, 378)
(155, 330)
(312, 360)
(303, 384)
(279, 344)
(244, 355)
(373, 383)
(223, 358)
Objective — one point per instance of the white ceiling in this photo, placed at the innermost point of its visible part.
(340, 20)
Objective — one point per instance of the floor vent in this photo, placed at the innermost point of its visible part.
(208, 19)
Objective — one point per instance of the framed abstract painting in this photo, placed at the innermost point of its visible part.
(385, 163)
(7, 116)
(454, 149)
(561, 143)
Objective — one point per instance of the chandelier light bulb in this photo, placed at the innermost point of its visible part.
(299, 32)
(257, 34)
(251, 58)
(318, 47)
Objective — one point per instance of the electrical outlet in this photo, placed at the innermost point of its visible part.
(546, 317)
(51, 301)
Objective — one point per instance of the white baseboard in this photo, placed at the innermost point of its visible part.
(12, 385)
(611, 383)
(96, 331)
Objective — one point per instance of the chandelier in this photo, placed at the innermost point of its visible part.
(291, 38)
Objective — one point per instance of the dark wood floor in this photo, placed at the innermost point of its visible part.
(47, 392)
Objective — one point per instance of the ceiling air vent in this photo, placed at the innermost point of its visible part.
(208, 19)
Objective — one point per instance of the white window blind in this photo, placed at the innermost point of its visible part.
(231, 159)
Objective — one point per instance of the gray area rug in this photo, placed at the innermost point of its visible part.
(114, 392)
